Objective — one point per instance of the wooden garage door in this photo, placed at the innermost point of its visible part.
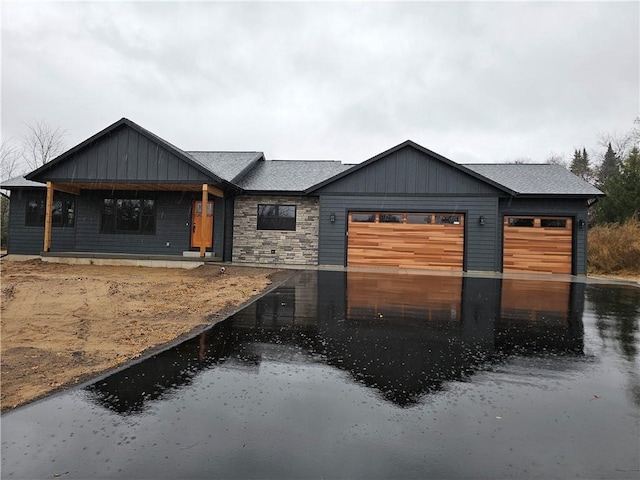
(406, 240)
(537, 244)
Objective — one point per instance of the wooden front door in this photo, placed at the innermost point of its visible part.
(199, 221)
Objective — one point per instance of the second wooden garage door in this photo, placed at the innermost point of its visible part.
(406, 240)
(537, 244)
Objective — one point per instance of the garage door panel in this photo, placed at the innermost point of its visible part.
(536, 248)
(406, 245)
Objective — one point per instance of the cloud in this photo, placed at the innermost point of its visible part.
(474, 81)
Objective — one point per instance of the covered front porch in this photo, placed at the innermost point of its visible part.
(139, 210)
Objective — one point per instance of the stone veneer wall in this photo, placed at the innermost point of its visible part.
(299, 247)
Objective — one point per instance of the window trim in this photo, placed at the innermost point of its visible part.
(279, 222)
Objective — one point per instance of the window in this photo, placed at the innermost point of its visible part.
(35, 213)
(447, 220)
(276, 217)
(62, 213)
(363, 217)
(520, 222)
(418, 218)
(553, 222)
(391, 218)
(128, 215)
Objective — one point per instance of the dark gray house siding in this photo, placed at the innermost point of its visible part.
(570, 207)
(408, 172)
(27, 240)
(480, 243)
(173, 220)
(410, 180)
(122, 155)
(173, 225)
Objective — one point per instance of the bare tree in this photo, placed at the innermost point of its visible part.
(42, 143)
(10, 160)
(621, 143)
(520, 160)
(555, 159)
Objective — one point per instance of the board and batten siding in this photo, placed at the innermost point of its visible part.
(575, 208)
(126, 155)
(26, 240)
(480, 240)
(409, 172)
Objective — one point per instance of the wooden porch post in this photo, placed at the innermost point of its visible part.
(48, 217)
(203, 223)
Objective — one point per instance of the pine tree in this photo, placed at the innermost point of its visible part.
(610, 167)
(623, 192)
(580, 165)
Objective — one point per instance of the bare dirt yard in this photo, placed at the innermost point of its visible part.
(63, 324)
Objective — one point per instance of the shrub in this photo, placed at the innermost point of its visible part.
(615, 248)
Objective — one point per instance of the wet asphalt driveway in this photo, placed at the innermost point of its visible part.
(357, 375)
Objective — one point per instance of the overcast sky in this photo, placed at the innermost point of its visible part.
(476, 82)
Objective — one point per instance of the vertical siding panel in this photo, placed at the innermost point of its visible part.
(183, 170)
(172, 167)
(154, 160)
(103, 160)
(400, 173)
(112, 155)
(141, 156)
(132, 155)
(122, 152)
(380, 173)
(80, 160)
(92, 162)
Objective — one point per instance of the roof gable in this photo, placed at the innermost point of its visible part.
(125, 152)
(413, 169)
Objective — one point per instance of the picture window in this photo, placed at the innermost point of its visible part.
(128, 215)
(276, 217)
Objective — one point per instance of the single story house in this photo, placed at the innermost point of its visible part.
(128, 191)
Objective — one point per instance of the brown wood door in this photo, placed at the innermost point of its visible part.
(537, 244)
(198, 222)
(406, 240)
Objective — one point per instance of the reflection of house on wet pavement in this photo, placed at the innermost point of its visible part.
(127, 192)
(403, 336)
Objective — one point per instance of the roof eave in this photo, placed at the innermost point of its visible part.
(297, 193)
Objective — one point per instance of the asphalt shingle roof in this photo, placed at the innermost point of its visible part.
(536, 179)
(289, 175)
(226, 165)
(20, 182)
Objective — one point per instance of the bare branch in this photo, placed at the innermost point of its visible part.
(42, 143)
(10, 160)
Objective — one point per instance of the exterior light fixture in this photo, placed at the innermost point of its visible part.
(332, 217)
(481, 220)
(581, 224)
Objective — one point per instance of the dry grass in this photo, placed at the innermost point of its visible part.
(615, 248)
